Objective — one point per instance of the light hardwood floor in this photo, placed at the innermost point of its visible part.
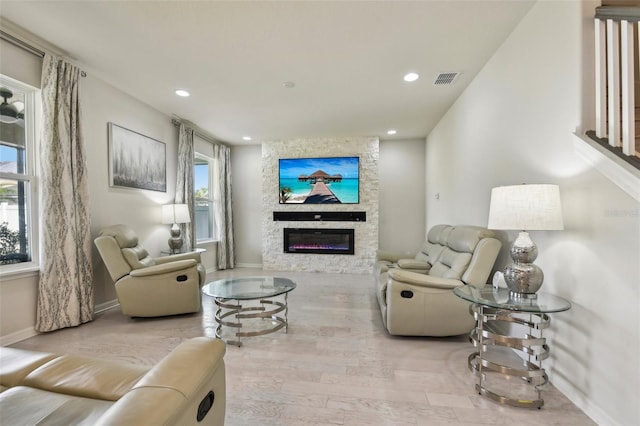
(336, 365)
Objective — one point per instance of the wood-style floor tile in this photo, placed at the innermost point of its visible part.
(336, 365)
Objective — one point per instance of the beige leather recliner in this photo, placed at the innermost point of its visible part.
(422, 303)
(187, 387)
(146, 286)
(422, 261)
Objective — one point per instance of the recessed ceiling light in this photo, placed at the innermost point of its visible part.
(391, 132)
(182, 93)
(412, 76)
(246, 138)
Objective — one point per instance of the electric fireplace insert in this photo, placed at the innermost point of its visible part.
(318, 240)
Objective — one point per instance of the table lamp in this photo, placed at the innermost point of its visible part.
(174, 214)
(525, 208)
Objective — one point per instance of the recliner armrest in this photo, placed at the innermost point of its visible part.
(163, 268)
(180, 256)
(415, 278)
(389, 256)
(414, 265)
(174, 391)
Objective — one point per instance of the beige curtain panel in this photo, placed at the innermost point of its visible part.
(65, 296)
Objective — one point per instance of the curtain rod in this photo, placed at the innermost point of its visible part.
(26, 46)
(21, 44)
(177, 122)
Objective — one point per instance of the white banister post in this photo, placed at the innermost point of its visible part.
(601, 79)
(613, 80)
(627, 87)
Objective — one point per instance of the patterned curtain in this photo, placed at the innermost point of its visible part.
(65, 296)
(184, 184)
(222, 208)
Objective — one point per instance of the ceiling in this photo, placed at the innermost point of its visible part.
(346, 59)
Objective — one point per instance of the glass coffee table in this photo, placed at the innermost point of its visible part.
(249, 298)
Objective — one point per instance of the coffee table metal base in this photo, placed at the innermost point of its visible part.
(238, 312)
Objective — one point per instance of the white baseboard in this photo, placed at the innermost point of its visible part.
(18, 336)
(593, 411)
(105, 306)
(249, 265)
(24, 334)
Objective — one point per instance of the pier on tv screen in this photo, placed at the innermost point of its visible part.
(319, 180)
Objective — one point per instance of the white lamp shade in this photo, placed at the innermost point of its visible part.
(526, 208)
(175, 213)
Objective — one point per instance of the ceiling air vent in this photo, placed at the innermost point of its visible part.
(446, 78)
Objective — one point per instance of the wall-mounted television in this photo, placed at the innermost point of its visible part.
(319, 180)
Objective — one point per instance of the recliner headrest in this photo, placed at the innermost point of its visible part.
(438, 234)
(124, 235)
(464, 239)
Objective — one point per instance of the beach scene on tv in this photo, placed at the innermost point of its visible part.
(319, 180)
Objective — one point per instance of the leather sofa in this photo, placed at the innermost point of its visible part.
(147, 286)
(187, 387)
(415, 295)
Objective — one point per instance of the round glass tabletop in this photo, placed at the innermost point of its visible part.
(248, 288)
(503, 298)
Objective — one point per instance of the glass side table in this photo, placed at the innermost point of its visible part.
(515, 322)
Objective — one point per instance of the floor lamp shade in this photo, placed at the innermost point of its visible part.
(525, 208)
(174, 214)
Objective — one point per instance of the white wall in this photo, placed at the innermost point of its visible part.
(513, 125)
(140, 209)
(246, 178)
(402, 196)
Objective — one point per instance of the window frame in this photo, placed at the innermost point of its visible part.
(32, 114)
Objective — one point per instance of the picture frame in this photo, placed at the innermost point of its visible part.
(135, 160)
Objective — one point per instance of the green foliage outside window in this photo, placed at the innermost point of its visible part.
(8, 240)
(201, 196)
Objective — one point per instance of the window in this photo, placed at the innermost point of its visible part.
(203, 198)
(17, 175)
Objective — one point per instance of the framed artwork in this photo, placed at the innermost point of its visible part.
(136, 160)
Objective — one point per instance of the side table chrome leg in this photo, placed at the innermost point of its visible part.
(286, 313)
(481, 346)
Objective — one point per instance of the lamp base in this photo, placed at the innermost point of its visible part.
(175, 242)
(523, 277)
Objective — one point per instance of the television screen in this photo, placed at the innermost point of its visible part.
(319, 180)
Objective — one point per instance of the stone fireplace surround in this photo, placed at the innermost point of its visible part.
(366, 232)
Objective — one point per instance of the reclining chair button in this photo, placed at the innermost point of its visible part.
(407, 294)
